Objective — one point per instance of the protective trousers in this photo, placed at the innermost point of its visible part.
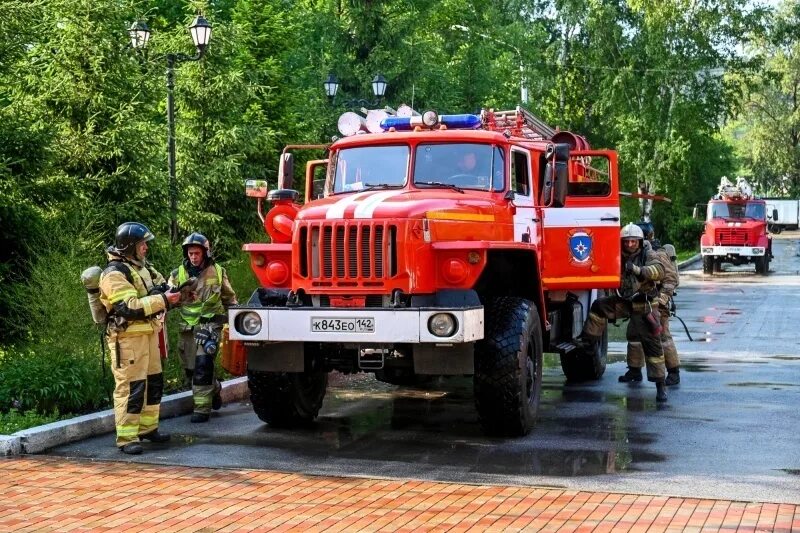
(200, 366)
(613, 308)
(636, 352)
(139, 384)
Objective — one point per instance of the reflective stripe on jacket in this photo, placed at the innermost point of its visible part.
(123, 297)
(208, 290)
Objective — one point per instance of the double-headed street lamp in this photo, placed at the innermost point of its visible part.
(200, 31)
(523, 90)
(379, 84)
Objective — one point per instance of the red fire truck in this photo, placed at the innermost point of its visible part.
(447, 245)
(736, 229)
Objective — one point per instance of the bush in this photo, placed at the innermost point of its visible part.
(14, 420)
(47, 382)
(685, 233)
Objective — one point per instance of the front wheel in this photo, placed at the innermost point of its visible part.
(762, 265)
(708, 264)
(508, 367)
(287, 399)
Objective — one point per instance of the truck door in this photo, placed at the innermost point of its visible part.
(526, 227)
(581, 245)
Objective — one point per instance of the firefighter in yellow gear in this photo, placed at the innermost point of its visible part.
(637, 300)
(666, 291)
(202, 322)
(135, 297)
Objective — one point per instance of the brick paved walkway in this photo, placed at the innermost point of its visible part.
(49, 494)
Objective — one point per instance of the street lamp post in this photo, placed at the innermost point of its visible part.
(523, 90)
(200, 31)
(379, 84)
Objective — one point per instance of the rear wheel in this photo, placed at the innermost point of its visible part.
(708, 264)
(286, 399)
(586, 365)
(508, 367)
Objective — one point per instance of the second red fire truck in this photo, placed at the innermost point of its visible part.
(438, 245)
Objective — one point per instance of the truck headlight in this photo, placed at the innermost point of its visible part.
(248, 323)
(442, 324)
(758, 251)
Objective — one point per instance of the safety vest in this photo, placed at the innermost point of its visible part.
(191, 313)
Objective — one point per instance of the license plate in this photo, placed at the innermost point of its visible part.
(731, 249)
(343, 325)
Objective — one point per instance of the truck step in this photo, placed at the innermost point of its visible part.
(565, 347)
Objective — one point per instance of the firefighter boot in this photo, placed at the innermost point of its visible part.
(132, 448)
(199, 418)
(673, 376)
(156, 436)
(661, 392)
(632, 375)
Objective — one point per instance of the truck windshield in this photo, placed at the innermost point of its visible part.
(370, 167)
(462, 165)
(754, 210)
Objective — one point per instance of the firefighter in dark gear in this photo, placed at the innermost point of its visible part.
(666, 291)
(202, 322)
(637, 300)
(129, 290)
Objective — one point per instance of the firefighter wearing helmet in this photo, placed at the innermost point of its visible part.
(135, 298)
(202, 321)
(637, 300)
(666, 291)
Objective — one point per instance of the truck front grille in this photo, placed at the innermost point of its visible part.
(731, 237)
(347, 254)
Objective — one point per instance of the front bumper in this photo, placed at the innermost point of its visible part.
(388, 326)
(747, 251)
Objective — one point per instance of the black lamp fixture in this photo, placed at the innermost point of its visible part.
(379, 85)
(200, 30)
(139, 34)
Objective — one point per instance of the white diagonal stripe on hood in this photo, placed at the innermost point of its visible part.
(337, 210)
(367, 208)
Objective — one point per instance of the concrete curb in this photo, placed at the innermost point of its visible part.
(40, 438)
(687, 262)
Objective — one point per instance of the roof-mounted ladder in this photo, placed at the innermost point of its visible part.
(520, 122)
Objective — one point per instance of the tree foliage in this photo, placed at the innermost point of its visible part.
(83, 115)
(767, 134)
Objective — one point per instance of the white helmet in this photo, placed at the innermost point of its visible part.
(631, 231)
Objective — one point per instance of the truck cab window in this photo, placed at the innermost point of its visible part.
(520, 180)
(463, 165)
(590, 176)
(370, 167)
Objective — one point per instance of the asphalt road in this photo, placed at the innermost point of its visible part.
(729, 430)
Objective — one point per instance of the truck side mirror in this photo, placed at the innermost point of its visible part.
(286, 171)
(774, 215)
(255, 188)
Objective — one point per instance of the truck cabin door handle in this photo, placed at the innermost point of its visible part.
(609, 219)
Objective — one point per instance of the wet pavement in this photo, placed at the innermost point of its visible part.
(728, 431)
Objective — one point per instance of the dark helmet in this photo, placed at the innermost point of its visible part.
(196, 239)
(129, 234)
(647, 229)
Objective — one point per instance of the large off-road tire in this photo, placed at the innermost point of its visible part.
(582, 365)
(287, 399)
(762, 265)
(508, 367)
(708, 264)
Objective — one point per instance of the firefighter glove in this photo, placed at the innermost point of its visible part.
(159, 289)
(635, 269)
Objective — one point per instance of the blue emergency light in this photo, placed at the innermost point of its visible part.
(429, 119)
